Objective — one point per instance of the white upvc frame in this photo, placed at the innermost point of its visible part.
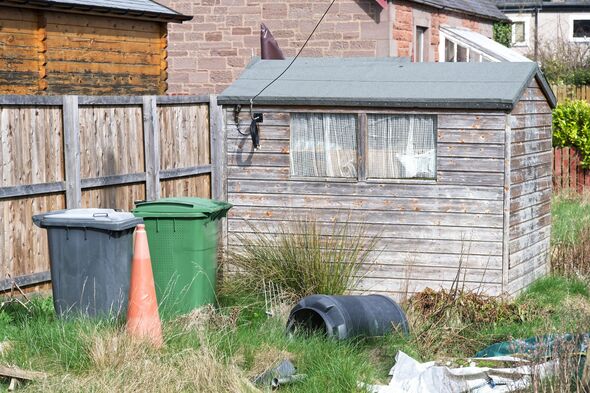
(571, 32)
(527, 33)
(442, 52)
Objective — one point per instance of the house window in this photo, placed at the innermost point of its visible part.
(324, 145)
(401, 146)
(421, 48)
(581, 29)
(519, 33)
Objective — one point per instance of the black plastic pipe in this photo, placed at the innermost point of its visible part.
(343, 317)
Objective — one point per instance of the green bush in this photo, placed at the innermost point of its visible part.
(578, 77)
(571, 127)
(503, 33)
(304, 257)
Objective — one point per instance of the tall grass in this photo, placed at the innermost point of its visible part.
(304, 257)
(570, 237)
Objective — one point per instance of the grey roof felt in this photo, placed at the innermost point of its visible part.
(132, 8)
(384, 83)
(486, 9)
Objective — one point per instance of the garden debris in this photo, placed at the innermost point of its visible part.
(16, 375)
(282, 374)
(410, 376)
(470, 307)
(538, 347)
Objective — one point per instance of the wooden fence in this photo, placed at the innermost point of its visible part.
(567, 172)
(83, 151)
(570, 92)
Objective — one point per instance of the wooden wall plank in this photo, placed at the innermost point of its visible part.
(71, 126)
(114, 197)
(192, 186)
(186, 135)
(23, 248)
(530, 194)
(434, 222)
(112, 140)
(151, 130)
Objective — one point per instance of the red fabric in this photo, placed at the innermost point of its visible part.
(382, 3)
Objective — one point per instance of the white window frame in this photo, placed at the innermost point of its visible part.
(527, 33)
(442, 53)
(574, 18)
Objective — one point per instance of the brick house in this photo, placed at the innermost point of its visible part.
(206, 54)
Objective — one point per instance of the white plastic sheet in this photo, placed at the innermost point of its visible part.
(410, 376)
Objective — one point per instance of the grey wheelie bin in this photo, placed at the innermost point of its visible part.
(90, 252)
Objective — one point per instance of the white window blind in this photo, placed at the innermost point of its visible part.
(323, 145)
(401, 146)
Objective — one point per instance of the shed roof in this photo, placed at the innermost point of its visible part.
(131, 8)
(486, 9)
(385, 83)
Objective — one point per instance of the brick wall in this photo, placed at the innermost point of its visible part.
(206, 54)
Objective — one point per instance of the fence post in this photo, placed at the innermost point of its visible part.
(71, 129)
(216, 141)
(151, 140)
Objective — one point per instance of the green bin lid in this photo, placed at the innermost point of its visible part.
(190, 207)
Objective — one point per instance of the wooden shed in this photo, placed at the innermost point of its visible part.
(105, 47)
(449, 164)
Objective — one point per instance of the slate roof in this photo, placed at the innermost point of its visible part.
(132, 8)
(547, 5)
(486, 9)
(385, 83)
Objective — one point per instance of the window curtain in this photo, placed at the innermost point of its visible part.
(323, 145)
(401, 146)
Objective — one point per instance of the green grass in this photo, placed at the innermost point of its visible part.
(65, 348)
(570, 214)
(91, 355)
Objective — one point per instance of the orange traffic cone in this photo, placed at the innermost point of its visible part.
(143, 320)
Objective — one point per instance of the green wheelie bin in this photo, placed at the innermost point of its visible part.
(182, 236)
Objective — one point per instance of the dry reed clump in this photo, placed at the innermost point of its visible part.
(126, 365)
(304, 257)
(466, 306)
(572, 259)
(207, 317)
(567, 372)
(260, 359)
(443, 321)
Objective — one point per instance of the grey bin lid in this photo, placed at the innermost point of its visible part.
(109, 219)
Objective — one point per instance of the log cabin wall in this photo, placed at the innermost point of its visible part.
(54, 53)
(530, 189)
(426, 229)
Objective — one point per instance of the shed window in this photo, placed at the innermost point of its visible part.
(324, 145)
(401, 146)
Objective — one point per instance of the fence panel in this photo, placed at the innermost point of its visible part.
(571, 92)
(567, 172)
(94, 152)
